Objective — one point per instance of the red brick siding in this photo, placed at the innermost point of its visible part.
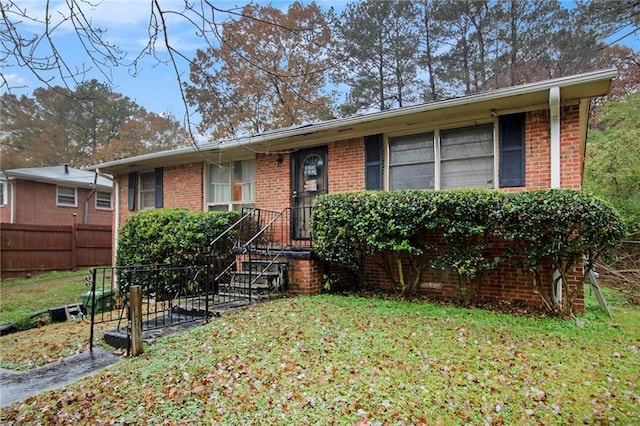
(538, 150)
(273, 182)
(507, 283)
(346, 165)
(36, 204)
(346, 172)
(570, 153)
(183, 186)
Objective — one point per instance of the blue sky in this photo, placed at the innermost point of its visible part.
(154, 85)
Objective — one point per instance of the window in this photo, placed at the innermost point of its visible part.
(103, 200)
(147, 190)
(467, 157)
(67, 196)
(412, 162)
(232, 185)
(151, 189)
(4, 198)
(445, 159)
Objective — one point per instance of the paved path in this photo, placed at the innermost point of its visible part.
(16, 386)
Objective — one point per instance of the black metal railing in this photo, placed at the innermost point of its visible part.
(171, 295)
(255, 267)
(243, 263)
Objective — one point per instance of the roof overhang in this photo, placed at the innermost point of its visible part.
(480, 106)
(16, 174)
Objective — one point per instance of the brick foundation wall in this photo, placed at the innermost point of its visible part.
(507, 283)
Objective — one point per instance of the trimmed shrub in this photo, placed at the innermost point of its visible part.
(563, 228)
(169, 236)
(461, 230)
(349, 226)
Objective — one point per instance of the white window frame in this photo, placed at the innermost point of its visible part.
(66, 204)
(437, 185)
(4, 196)
(98, 200)
(142, 192)
(229, 202)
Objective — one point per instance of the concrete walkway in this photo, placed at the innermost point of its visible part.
(17, 386)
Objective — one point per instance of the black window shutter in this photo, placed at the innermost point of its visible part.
(159, 203)
(373, 161)
(133, 177)
(512, 150)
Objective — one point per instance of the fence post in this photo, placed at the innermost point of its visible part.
(135, 305)
(74, 243)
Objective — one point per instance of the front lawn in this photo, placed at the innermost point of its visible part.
(22, 297)
(353, 360)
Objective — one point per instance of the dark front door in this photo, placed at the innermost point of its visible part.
(309, 173)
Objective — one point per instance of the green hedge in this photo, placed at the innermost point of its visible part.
(460, 230)
(169, 236)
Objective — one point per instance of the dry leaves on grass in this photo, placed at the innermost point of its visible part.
(329, 360)
(33, 348)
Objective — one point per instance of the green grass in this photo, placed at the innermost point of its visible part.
(20, 298)
(352, 360)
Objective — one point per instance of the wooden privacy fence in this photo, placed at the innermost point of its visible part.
(32, 248)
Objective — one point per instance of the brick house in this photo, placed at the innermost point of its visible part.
(56, 195)
(517, 138)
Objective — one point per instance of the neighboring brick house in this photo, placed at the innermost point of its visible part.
(56, 195)
(512, 139)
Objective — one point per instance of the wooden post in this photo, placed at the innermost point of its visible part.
(135, 309)
(74, 244)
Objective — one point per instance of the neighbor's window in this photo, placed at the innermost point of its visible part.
(4, 199)
(67, 196)
(232, 185)
(445, 159)
(103, 200)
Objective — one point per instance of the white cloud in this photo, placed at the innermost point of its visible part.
(13, 82)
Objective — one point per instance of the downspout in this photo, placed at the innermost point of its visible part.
(554, 128)
(85, 218)
(554, 118)
(13, 200)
